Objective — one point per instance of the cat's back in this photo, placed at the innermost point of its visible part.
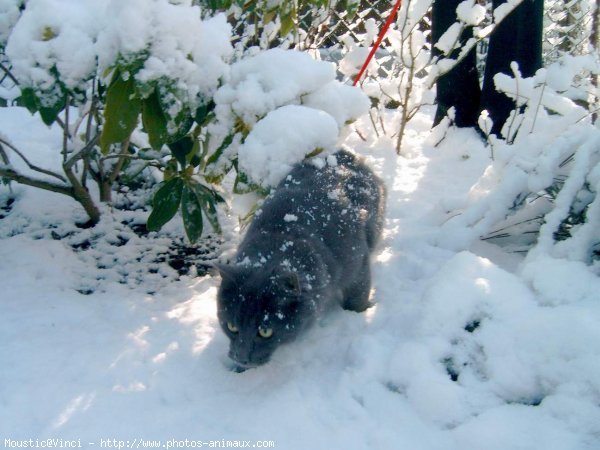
(334, 199)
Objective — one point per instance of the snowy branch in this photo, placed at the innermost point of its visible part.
(13, 175)
(9, 74)
(29, 164)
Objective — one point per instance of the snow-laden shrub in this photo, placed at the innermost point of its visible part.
(148, 83)
(130, 83)
(275, 109)
(57, 47)
(401, 77)
(282, 105)
(540, 193)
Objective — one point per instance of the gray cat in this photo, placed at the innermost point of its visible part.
(306, 250)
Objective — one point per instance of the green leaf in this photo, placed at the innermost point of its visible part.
(194, 157)
(218, 152)
(269, 16)
(121, 113)
(170, 99)
(204, 113)
(351, 8)
(31, 100)
(218, 198)
(314, 153)
(183, 123)
(49, 114)
(181, 149)
(191, 211)
(171, 169)
(242, 184)
(28, 99)
(165, 203)
(3, 102)
(208, 198)
(287, 25)
(154, 121)
(221, 5)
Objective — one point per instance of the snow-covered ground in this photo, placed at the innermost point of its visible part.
(462, 351)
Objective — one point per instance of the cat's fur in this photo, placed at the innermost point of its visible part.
(307, 249)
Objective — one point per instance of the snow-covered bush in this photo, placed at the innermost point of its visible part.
(282, 106)
(540, 193)
(275, 109)
(96, 68)
(149, 83)
(402, 76)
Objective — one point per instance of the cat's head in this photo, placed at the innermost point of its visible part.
(260, 309)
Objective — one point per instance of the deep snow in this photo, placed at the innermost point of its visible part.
(462, 351)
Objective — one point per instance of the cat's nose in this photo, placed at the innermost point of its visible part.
(243, 360)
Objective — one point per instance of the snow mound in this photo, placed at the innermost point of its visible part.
(462, 350)
(283, 138)
(271, 79)
(290, 103)
(345, 103)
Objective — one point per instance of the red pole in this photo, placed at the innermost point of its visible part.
(378, 42)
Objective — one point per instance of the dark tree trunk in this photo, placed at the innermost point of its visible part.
(459, 88)
(517, 38)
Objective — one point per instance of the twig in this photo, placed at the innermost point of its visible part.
(119, 165)
(537, 109)
(510, 139)
(66, 130)
(373, 123)
(4, 156)
(9, 74)
(88, 126)
(405, 99)
(81, 153)
(29, 164)
(360, 135)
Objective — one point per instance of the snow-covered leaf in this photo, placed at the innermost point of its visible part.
(121, 113)
(191, 212)
(165, 203)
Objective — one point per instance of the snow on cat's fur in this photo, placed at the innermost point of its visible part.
(307, 249)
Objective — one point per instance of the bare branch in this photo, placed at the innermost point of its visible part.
(82, 153)
(3, 155)
(80, 193)
(13, 175)
(66, 135)
(9, 74)
(122, 157)
(29, 164)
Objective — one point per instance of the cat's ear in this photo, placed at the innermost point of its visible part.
(291, 282)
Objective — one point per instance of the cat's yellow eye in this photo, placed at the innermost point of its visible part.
(265, 332)
(231, 327)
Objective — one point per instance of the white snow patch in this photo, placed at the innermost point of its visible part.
(470, 12)
(282, 139)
